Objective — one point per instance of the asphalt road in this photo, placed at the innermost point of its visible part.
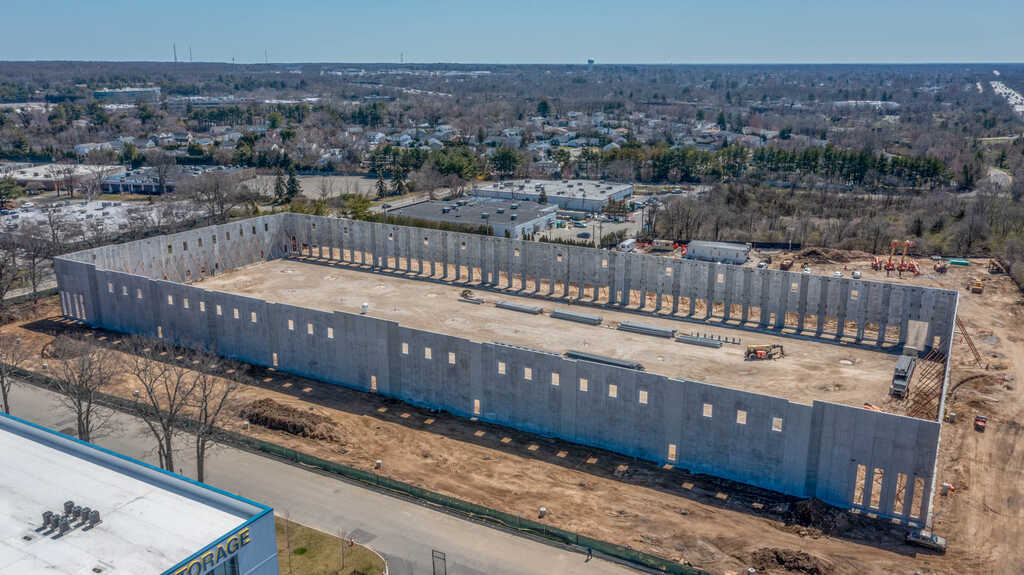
(404, 532)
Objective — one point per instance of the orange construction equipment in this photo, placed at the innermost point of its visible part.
(889, 264)
(941, 266)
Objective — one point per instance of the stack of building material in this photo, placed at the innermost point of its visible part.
(646, 329)
(698, 340)
(532, 309)
(576, 316)
(592, 357)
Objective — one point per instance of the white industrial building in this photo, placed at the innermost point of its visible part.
(579, 195)
(724, 252)
(72, 508)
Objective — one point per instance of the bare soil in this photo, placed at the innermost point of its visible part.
(712, 524)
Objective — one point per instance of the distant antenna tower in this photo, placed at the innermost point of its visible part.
(175, 52)
(401, 58)
(190, 54)
(266, 57)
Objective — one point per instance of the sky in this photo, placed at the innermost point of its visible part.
(516, 31)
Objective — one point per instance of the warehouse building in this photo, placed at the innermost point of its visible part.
(72, 508)
(579, 195)
(63, 176)
(127, 95)
(507, 218)
(724, 252)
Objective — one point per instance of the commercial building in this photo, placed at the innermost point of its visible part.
(70, 508)
(579, 195)
(507, 218)
(147, 180)
(782, 426)
(143, 94)
(52, 176)
(724, 252)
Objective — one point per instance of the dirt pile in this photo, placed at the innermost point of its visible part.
(767, 558)
(816, 514)
(274, 415)
(823, 256)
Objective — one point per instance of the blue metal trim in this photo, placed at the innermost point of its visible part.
(214, 543)
(265, 509)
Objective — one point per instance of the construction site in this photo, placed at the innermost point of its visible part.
(610, 380)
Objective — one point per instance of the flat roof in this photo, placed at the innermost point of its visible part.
(151, 520)
(811, 370)
(470, 211)
(585, 189)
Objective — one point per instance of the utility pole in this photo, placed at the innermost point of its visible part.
(175, 46)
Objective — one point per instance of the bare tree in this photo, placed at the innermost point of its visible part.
(210, 398)
(34, 250)
(9, 270)
(165, 390)
(163, 165)
(13, 354)
(218, 193)
(81, 373)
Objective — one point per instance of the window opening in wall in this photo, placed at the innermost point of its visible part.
(476, 407)
(219, 310)
(373, 383)
(202, 305)
(463, 245)
(613, 390)
(721, 278)
(671, 451)
(214, 239)
(309, 329)
(604, 263)
(794, 287)
(642, 397)
(184, 246)
(901, 491)
(554, 378)
(170, 249)
(252, 317)
(708, 410)
(266, 227)
(668, 271)
(918, 501)
(528, 373)
(330, 333)
(858, 484)
(184, 302)
(405, 348)
(741, 417)
(227, 236)
(124, 290)
(426, 241)
(273, 359)
(254, 230)
(776, 424)
(558, 257)
(584, 384)
(501, 368)
(170, 299)
(291, 325)
(876, 487)
(451, 358)
(391, 236)
(428, 353)
(199, 242)
(854, 295)
(515, 253)
(234, 313)
(138, 293)
(160, 331)
(110, 287)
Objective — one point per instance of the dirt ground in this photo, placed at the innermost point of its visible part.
(810, 370)
(715, 525)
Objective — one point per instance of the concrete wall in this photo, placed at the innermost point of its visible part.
(832, 452)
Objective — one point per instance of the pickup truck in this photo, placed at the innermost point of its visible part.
(927, 539)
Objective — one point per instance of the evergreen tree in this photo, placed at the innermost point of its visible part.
(543, 108)
(398, 180)
(279, 188)
(382, 187)
(542, 198)
(293, 187)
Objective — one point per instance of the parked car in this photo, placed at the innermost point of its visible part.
(579, 225)
(856, 274)
(927, 539)
(762, 265)
(584, 235)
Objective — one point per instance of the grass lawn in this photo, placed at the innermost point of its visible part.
(305, 551)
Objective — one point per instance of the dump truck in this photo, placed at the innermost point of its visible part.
(901, 376)
(767, 351)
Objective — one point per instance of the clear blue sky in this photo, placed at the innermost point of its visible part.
(517, 31)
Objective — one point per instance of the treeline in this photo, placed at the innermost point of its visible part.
(660, 164)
